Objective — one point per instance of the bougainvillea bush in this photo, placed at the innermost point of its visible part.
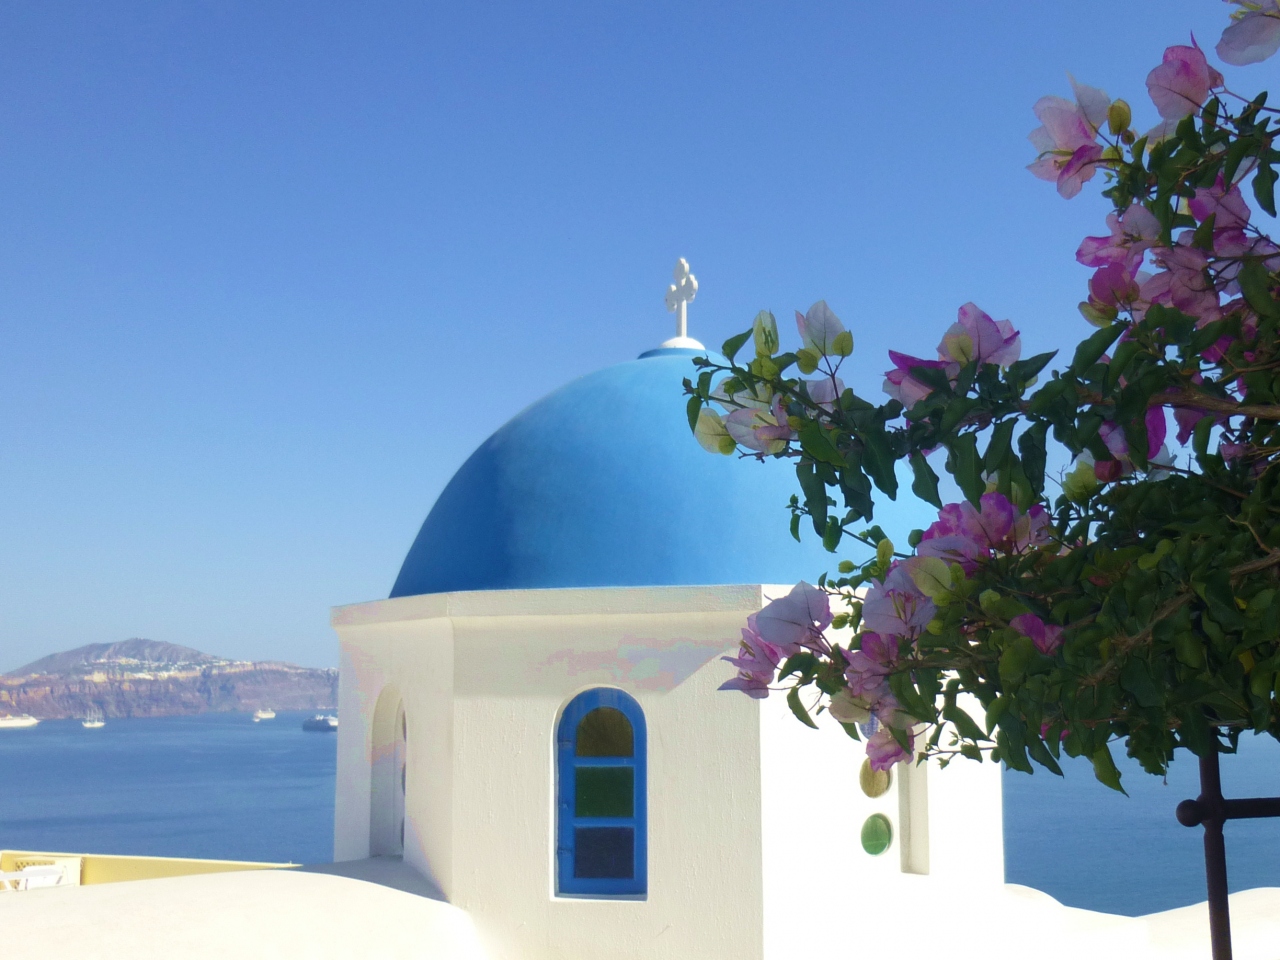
(1135, 596)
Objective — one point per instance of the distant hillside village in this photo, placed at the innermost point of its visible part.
(147, 678)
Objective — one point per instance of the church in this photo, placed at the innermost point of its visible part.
(535, 762)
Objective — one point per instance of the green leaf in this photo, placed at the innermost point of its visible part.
(925, 485)
(1090, 351)
(731, 346)
(966, 466)
(1104, 768)
(831, 536)
(851, 729)
(1031, 446)
(1264, 188)
(795, 526)
(1024, 370)
(793, 701)
(1255, 284)
(931, 576)
(693, 408)
(1041, 755)
(878, 459)
(815, 442)
(964, 724)
(998, 448)
(1017, 656)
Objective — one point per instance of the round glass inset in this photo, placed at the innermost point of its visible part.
(874, 783)
(877, 834)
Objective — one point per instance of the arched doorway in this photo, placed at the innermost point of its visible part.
(389, 775)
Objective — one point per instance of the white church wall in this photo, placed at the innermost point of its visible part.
(409, 661)
(484, 677)
(513, 679)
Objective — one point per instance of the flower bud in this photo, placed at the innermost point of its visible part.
(842, 345)
(765, 333)
(1119, 116)
(884, 552)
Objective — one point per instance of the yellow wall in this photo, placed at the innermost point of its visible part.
(101, 868)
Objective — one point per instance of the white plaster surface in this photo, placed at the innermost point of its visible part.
(255, 915)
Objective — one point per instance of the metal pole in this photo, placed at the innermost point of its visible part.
(1209, 809)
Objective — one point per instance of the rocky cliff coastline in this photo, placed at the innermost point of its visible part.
(143, 678)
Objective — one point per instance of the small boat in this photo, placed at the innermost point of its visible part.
(321, 723)
(264, 714)
(8, 722)
(93, 720)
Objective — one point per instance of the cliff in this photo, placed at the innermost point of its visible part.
(143, 678)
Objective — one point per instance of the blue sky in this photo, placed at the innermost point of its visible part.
(269, 272)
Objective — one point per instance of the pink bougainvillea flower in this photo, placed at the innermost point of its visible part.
(1114, 285)
(1132, 233)
(1112, 435)
(895, 607)
(757, 663)
(1046, 636)
(975, 336)
(1186, 281)
(883, 749)
(825, 392)
(1231, 452)
(992, 523)
(1254, 36)
(1066, 142)
(1226, 204)
(1157, 430)
(797, 620)
(869, 666)
(1032, 529)
(819, 328)
(899, 384)
(1182, 82)
(1078, 170)
(1186, 418)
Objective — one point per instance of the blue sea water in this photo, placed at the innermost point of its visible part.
(221, 786)
(1091, 847)
(216, 785)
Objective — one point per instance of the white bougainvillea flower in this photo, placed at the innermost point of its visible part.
(712, 434)
(1254, 36)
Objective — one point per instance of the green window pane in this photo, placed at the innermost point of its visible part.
(604, 792)
(605, 732)
(877, 834)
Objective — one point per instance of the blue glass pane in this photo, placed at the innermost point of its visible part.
(604, 853)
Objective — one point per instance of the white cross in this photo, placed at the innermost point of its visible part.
(679, 294)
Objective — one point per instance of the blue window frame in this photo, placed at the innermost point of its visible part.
(601, 797)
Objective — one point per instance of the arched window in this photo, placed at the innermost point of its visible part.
(601, 837)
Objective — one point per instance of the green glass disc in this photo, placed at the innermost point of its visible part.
(877, 834)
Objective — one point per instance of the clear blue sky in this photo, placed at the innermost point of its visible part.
(269, 272)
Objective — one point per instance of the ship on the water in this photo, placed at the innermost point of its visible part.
(265, 714)
(93, 719)
(321, 723)
(13, 723)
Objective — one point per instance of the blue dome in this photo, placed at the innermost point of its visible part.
(602, 484)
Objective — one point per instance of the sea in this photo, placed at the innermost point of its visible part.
(221, 786)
